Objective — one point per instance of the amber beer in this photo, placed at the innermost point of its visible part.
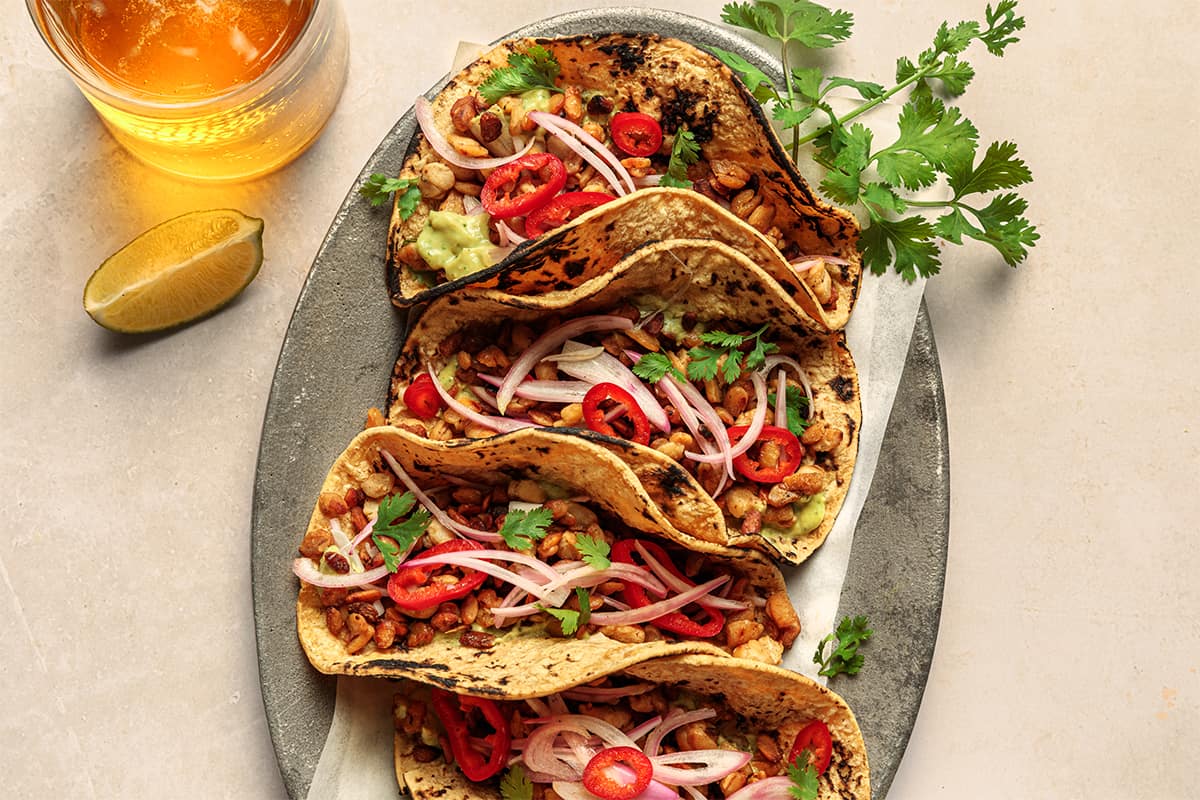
(209, 89)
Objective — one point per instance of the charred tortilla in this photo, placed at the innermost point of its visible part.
(473, 654)
(706, 283)
(742, 165)
(760, 709)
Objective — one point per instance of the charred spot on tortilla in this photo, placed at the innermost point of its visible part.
(629, 57)
(680, 110)
(851, 426)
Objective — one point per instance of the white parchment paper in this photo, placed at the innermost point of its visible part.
(356, 762)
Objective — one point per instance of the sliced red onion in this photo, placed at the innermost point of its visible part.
(472, 206)
(535, 564)
(831, 259)
(607, 694)
(609, 600)
(357, 540)
(694, 793)
(784, 361)
(547, 343)
(546, 391)
(676, 584)
(432, 507)
(307, 571)
(345, 546)
(507, 234)
(565, 130)
(777, 788)
(644, 728)
(708, 415)
(716, 765)
(648, 180)
(499, 424)
(686, 413)
(604, 368)
(674, 720)
(653, 611)
(424, 114)
(582, 354)
(484, 396)
(752, 433)
(781, 399)
(461, 559)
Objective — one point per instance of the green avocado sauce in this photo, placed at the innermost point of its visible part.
(456, 243)
(809, 516)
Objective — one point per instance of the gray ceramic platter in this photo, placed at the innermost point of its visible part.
(335, 363)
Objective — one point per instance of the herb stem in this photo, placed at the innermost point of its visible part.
(865, 107)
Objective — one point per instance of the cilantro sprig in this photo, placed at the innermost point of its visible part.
(379, 188)
(594, 550)
(652, 367)
(685, 151)
(536, 68)
(724, 355)
(393, 533)
(804, 778)
(796, 404)
(515, 785)
(935, 141)
(522, 528)
(842, 646)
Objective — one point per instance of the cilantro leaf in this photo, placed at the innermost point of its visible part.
(393, 535)
(804, 778)
(953, 225)
(723, 339)
(703, 363)
(725, 355)
(866, 89)
(908, 242)
(594, 551)
(759, 352)
(1005, 229)
(954, 75)
(752, 17)
(515, 785)
(755, 79)
(844, 656)
(536, 68)
(1000, 168)
(379, 188)
(585, 604)
(568, 618)
(522, 528)
(685, 151)
(653, 366)
(807, 82)
(791, 117)
(1002, 24)
(810, 24)
(796, 403)
(884, 196)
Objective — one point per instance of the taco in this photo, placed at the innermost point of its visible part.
(503, 566)
(745, 731)
(684, 348)
(539, 132)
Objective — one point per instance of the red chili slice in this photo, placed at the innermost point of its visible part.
(789, 459)
(635, 133)
(410, 587)
(453, 711)
(563, 209)
(602, 775)
(623, 551)
(422, 398)
(502, 196)
(594, 415)
(814, 737)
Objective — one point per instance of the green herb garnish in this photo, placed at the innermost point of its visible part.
(685, 151)
(393, 535)
(568, 619)
(536, 68)
(725, 355)
(522, 528)
(934, 139)
(379, 188)
(594, 551)
(515, 785)
(844, 656)
(653, 366)
(585, 604)
(797, 409)
(804, 778)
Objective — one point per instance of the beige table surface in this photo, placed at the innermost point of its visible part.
(1067, 664)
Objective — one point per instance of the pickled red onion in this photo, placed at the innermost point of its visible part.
(424, 113)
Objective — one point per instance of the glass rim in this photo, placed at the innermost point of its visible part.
(94, 83)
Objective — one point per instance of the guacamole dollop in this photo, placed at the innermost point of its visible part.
(456, 243)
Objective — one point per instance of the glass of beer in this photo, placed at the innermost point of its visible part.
(204, 89)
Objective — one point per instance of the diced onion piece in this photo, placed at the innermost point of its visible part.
(500, 424)
(604, 368)
(307, 571)
(653, 611)
(777, 788)
(547, 343)
(785, 361)
(752, 433)
(424, 113)
(432, 507)
(567, 130)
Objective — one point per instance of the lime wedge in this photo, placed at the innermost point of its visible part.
(184, 269)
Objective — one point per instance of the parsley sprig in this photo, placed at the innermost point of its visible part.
(536, 68)
(392, 533)
(522, 528)
(935, 140)
(379, 188)
(685, 151)
(804, 778)
(842, 645)
(724, 355)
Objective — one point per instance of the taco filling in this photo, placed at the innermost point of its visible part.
(397, 565)
(616, 739)
(721, 399)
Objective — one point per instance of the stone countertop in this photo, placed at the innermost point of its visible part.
(1069, 650)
